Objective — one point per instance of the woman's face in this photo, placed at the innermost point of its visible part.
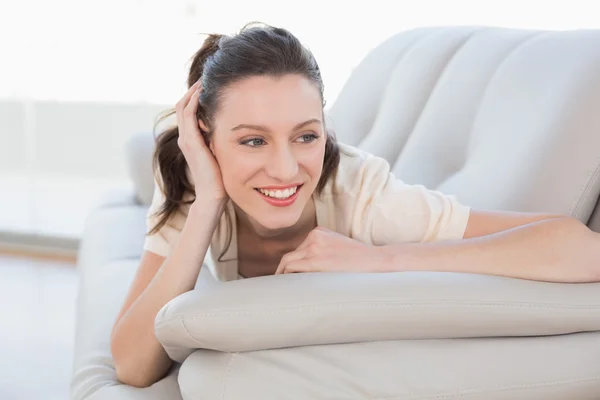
(269, 141)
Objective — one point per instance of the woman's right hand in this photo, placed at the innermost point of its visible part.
(203, 166)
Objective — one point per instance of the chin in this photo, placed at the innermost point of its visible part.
(273, 214)
(276, 222)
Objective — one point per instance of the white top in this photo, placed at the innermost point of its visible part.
(365, 202)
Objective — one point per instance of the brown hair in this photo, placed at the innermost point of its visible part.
(220, 62)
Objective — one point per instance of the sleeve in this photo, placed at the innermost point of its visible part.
(387, 210)
(162, 241)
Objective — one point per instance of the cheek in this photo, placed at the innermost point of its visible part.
(312, 161)
(236, 170)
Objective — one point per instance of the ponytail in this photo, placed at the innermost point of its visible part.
(168, 162)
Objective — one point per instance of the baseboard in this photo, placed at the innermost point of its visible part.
(39, 246)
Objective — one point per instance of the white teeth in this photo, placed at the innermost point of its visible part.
(279, 194)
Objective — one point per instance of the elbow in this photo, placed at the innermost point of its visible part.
(134, 369)
(573, 250)
(595, 261)
(127, 372)
(588, 251)
(132, 377)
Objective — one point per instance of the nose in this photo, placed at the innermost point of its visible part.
(282, 164)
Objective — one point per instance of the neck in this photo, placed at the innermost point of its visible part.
(304, 225)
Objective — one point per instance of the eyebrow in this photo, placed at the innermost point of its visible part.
(265, 129)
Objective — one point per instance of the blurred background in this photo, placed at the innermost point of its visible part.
(78, 78)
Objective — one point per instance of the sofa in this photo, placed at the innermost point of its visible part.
(504, 119)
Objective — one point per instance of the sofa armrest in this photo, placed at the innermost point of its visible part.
(138, 154)
(99, 382)
(108, 262)
(328, 308)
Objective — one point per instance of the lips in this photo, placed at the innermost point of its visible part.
(280, 197)
(279, 193)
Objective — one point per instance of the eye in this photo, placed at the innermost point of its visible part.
(255, 142)
(308, 138)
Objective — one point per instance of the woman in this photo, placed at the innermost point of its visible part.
(251, 183)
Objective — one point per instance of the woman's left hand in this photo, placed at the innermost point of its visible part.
(327, 251)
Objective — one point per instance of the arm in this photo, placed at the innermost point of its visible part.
(529, 246)
(140, 359)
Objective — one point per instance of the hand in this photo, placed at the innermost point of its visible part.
(327, 251)
(203, 166)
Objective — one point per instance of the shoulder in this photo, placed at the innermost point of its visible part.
(357, 170)
(351, 192)
(369, 203)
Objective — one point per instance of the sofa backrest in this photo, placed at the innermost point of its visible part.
(502, 118)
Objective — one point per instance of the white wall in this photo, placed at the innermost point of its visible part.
(56, 158)
(77, 78)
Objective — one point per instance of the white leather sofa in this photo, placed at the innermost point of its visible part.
(503, 119)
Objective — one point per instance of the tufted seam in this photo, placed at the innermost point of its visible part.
(586, 308)
(586, 187)
(435, 85)
(227, 374)
(183, 325)
(483, 96)
(467, 392)
(518, 46)
(399, 59)
(482, 99)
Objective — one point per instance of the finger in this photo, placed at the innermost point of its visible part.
(296, 266)
(316, 236)
(191, 129)
(185, 100)
(190, 110)
(304, 244)
(288, 258)
(193, 89)
(310, 238)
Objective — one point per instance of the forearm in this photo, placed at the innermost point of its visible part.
(138, 354)
(557, 250)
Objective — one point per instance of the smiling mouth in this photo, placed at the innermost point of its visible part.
(279, 194)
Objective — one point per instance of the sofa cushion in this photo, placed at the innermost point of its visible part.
(327, 308)
(534, 368)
